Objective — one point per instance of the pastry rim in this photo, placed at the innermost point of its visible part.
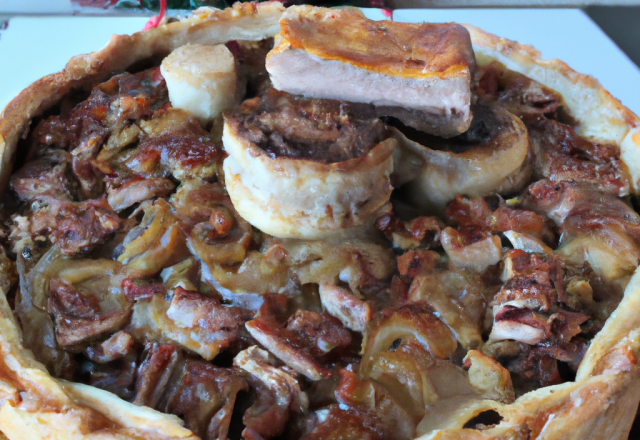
(30, 380)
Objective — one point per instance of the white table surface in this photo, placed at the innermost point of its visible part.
(32, 47)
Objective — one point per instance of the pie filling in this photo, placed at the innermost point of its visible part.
(130, 270)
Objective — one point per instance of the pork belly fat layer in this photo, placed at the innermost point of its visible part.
(425, 69)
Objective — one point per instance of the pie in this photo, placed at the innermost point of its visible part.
(299, 223)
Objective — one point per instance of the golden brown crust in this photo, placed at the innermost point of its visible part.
(601, 404)
(392, 48)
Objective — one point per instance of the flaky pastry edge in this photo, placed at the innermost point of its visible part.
(600, 404)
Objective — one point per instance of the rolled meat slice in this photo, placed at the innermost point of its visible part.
(306, 168)
(491, 157)
(419, 73)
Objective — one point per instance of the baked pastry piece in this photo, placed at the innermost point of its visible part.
(419, 73)
(145, 297)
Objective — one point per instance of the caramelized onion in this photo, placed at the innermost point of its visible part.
(490, 158)
(414, 322)
(160, 243)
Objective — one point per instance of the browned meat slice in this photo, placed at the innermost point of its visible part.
(319, 333)
(154, 373)
(277, 390)
(359, 423)
(561, 155)
(204, 398)
(117, 346)
(47, 176)
(138, 190)
(208, 319)
(353, 312)
(420, 73)
(286, 346)
(78, 317)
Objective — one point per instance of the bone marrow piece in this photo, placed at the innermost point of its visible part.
(201, 79)
(305, 168)
(419, 73)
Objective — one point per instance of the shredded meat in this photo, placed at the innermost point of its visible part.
(561, 155)
(277, 393)
(154, 373)
(78, 317)
(47, 176)
(76, 227)
(88, 126)
(326, 131)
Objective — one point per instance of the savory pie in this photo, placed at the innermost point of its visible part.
(298, 223)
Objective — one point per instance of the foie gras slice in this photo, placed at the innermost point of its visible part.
(418, 73)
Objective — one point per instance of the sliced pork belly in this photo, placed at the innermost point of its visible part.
(306, 168)
(419, 73)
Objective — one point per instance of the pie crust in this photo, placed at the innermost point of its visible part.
(600, 404)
